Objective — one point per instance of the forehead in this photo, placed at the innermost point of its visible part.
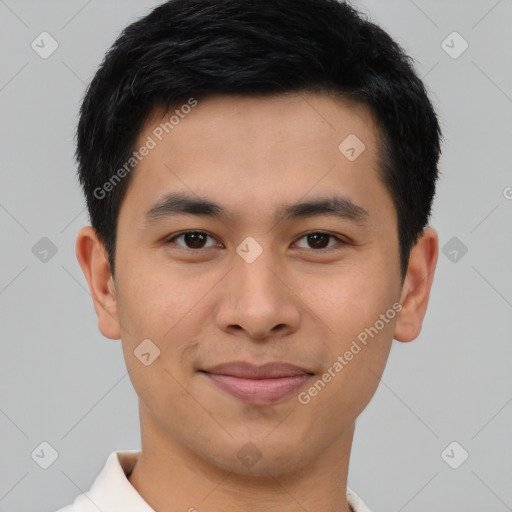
(288, 115)
(254, 152)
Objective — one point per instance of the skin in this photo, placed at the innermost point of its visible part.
(295, 303)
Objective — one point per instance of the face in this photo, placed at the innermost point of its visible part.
(256, 277)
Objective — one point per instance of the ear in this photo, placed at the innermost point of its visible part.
(417, 285)
(92, 257)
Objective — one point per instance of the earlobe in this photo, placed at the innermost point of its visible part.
(417, 285)
(91, 255)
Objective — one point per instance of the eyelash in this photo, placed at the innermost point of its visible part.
(327, 249)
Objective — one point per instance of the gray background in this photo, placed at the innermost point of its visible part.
(63, 383)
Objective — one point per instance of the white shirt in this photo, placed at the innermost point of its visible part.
(113, 492)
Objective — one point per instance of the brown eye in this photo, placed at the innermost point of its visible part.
(192, 239)
(319, 240)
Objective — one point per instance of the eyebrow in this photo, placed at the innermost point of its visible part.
(173, 204)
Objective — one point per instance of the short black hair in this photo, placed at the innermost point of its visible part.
(187, 49)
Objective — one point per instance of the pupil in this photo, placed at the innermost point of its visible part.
(194, 239)
(313, 240)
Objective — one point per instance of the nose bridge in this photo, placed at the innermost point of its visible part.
(258, 301)
(255, 280)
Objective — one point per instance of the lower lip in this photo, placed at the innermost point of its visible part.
(259, 391)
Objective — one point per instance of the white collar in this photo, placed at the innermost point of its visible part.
(112, 491)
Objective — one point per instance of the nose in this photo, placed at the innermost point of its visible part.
(257, 302)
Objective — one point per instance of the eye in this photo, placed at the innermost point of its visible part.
(319, 240)
(195, 240)
(192, 239)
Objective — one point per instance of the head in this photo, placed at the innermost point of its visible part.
(245, 110)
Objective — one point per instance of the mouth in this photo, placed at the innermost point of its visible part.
(258, 385)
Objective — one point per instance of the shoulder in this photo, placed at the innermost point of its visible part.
(111, 489)
(355, 502)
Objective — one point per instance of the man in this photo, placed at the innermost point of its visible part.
(259, 177)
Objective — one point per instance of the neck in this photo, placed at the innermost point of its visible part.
(169, 476)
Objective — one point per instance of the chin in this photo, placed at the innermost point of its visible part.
(261, 458)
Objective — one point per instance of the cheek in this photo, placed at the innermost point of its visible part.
(357, 315)
(154, 298)
(169, 306)
(345, 303)
(159, 308)
(355, 363)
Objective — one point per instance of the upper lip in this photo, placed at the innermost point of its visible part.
(247, 370)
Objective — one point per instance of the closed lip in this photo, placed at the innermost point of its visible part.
(246, 370)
